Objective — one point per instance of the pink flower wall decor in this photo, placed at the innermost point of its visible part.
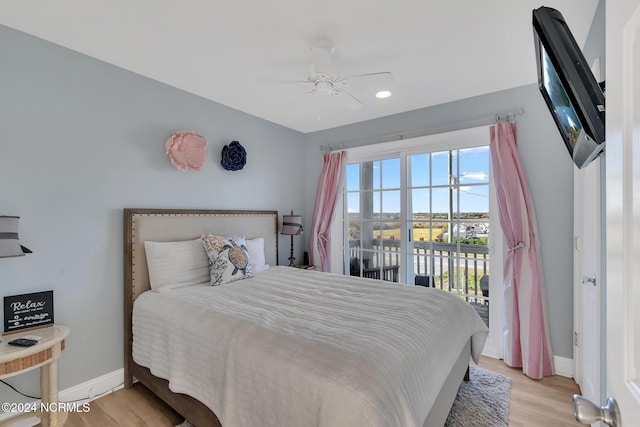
(186, 149)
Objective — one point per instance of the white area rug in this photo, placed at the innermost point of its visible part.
(483, 401)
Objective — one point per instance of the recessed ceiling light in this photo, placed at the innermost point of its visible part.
(383, 94)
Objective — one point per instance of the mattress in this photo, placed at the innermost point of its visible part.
(292, 347)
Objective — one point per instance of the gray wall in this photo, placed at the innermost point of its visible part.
(79, 141)
(546, 163)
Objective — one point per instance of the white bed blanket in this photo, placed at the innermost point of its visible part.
(300, 348)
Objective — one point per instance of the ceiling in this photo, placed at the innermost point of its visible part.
(437, 51)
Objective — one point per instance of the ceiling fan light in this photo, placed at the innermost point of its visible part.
(382, 94)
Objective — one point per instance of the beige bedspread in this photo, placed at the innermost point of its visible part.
(300, 348)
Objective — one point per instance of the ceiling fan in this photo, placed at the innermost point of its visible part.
(323, 80)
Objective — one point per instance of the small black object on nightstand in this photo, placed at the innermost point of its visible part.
(23, 342)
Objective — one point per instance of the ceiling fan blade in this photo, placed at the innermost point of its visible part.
(321, 60)
(287, 82)
(379, 79)
(313, 75)
(352, 102)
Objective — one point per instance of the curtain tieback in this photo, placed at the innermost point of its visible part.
(519, 245)
(323, 236)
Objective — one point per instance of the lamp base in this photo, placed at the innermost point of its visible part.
(291, 258)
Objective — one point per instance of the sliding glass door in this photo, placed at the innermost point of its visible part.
(420, 212)
(448, 220)
(421, 217)
(373, 219)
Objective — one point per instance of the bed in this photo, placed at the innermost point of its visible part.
(289, 346)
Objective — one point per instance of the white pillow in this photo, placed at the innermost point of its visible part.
(256, 254)
(176, 264)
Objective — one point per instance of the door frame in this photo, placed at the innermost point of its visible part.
(585, 198)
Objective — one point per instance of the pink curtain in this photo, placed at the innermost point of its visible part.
(526, 337)
(329, 189)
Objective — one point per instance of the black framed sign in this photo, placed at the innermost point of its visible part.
(27, 311)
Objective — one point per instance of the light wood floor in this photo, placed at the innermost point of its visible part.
(547, 402)
(533, 403)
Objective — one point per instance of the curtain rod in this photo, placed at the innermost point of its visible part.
(438, 128)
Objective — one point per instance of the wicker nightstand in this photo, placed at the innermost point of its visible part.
(44, 355)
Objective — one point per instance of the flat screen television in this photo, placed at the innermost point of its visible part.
(573, 95)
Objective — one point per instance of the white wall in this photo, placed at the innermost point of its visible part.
(79, 141)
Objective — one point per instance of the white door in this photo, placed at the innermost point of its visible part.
(623, 207)
(588, 280)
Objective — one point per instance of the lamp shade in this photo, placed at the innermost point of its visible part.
(291, 225)
(9, 243)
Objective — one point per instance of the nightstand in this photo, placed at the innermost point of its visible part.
(44, 355)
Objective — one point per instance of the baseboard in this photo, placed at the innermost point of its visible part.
(488, 352)
(81, 393)
(564, 366)
(92, 389)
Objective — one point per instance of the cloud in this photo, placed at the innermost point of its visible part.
(475, 176)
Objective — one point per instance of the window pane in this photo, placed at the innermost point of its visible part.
(474, 165)
(353, 177)
(440, 202)
(391, 173)
(354, 233)
(420, 203)
(440, 168)
(391, 204)
(474, 199)
(391, 231)
(419, 164)
(353, 203)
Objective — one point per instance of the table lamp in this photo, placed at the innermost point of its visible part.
(291, 226)
(9, 244)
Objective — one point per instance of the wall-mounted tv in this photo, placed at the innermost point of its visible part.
(573, 95)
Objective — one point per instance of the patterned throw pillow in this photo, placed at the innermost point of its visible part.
(228, 259)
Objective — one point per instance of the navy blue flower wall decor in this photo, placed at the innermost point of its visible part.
(234, 156)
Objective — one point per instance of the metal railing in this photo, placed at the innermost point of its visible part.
(455, 267)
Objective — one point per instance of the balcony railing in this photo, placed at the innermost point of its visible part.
(455, 267)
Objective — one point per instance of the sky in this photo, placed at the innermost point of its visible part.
(428, 181)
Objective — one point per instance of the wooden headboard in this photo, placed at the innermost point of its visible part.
(166, 225)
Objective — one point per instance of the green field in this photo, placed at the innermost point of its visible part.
(426, 234)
